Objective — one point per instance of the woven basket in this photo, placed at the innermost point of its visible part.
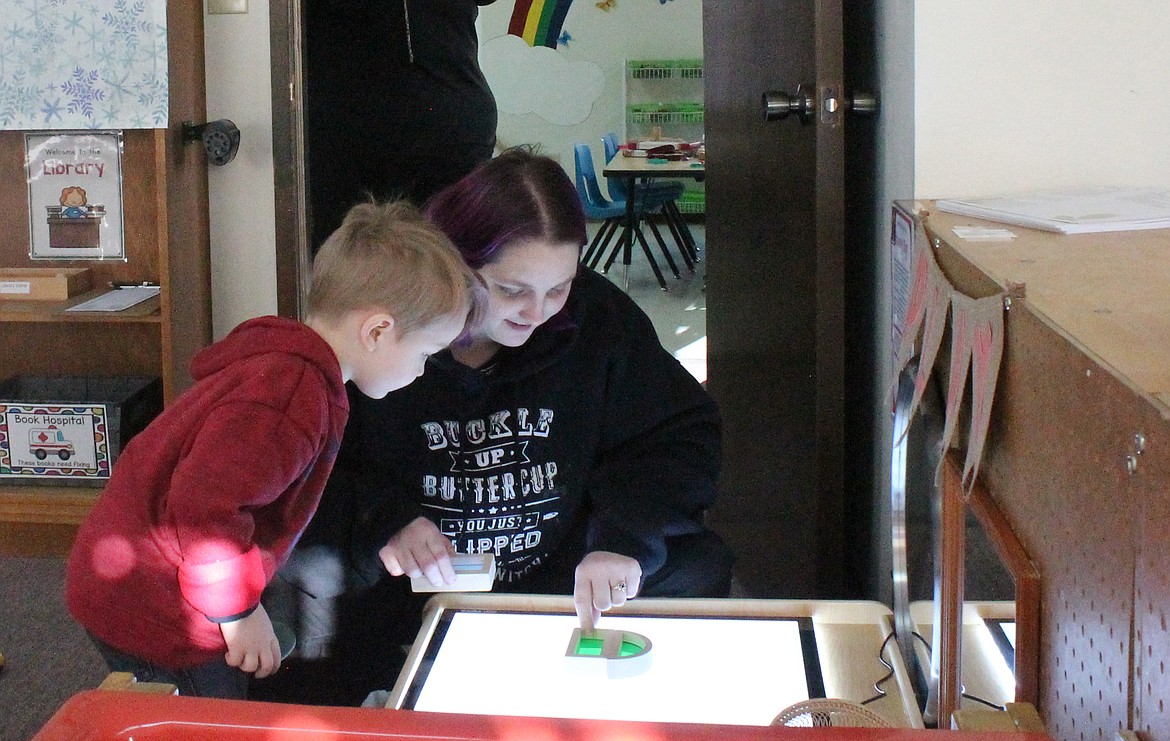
(822, 713)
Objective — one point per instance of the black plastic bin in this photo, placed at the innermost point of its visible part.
(69, 430)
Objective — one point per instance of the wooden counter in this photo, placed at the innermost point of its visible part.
(1109, 293)
(1078, 457)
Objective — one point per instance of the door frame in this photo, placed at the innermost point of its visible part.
(288, 157)
(842, 465)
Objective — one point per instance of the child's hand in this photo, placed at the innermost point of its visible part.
(252, 644)
(417, 549)
(604, 580)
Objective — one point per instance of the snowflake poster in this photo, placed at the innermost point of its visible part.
(75, 195)
(83, 64)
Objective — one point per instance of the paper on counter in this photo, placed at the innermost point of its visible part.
(1074, 211)
(983, 234)
(117, 299)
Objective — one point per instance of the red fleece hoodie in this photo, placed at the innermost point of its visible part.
(207, 502)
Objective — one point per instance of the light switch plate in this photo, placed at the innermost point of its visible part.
(220, 7)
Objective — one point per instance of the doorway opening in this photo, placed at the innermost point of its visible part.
(679, 314)
(789, 282)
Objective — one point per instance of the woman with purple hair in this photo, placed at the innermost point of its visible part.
(558, 435)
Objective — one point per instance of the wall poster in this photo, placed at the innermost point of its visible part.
(901, 266)
(75, 195)
(54, 441)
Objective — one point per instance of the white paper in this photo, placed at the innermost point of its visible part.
(983, 234)
(1073, 211)
(117, 299)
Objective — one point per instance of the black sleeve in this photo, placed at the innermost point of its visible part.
(357, 516)
(658, 467)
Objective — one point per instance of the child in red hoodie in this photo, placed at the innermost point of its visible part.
(207, 502)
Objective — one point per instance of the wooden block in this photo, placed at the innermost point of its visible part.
(984, 721)
(125, 681)
(42, 284)
(1016, 717)
(474, 572)
(117, 681)
(1026, 718)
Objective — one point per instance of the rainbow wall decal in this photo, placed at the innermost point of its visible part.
(539, 22)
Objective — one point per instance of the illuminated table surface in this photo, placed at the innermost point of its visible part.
(984, 671)
(713, 661)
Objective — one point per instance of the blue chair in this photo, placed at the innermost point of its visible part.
(596, 207)
(661, 195)
(613, 215)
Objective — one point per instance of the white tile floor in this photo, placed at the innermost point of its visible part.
(680, 312)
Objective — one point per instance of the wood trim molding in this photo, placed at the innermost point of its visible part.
(1024, 574)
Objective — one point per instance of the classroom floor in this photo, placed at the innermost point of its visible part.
(47, 656)
(678, 313)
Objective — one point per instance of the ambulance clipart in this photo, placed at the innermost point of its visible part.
(46, 441)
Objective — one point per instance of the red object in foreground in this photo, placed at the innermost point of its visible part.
(97, 715)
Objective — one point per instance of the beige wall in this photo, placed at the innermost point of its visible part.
(241, 194)
(1014, 96)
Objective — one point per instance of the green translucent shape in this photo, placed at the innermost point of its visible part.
(589, 647)
(629, 649)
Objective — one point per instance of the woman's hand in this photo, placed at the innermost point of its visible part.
(252, 644)
(604, 580)
(418, 549)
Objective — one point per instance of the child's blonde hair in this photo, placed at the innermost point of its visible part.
(387, 257)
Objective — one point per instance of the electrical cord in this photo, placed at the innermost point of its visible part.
(877, 686)
(964, 695)
(881, 692)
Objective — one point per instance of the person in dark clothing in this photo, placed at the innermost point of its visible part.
(559, 436)
(395, 102)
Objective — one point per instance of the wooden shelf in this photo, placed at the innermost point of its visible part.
(55, 311)
(41, 521)
(50, 505)
(166, 239)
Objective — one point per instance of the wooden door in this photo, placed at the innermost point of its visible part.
(795, 514)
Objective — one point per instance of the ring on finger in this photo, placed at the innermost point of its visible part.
(619, 587)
